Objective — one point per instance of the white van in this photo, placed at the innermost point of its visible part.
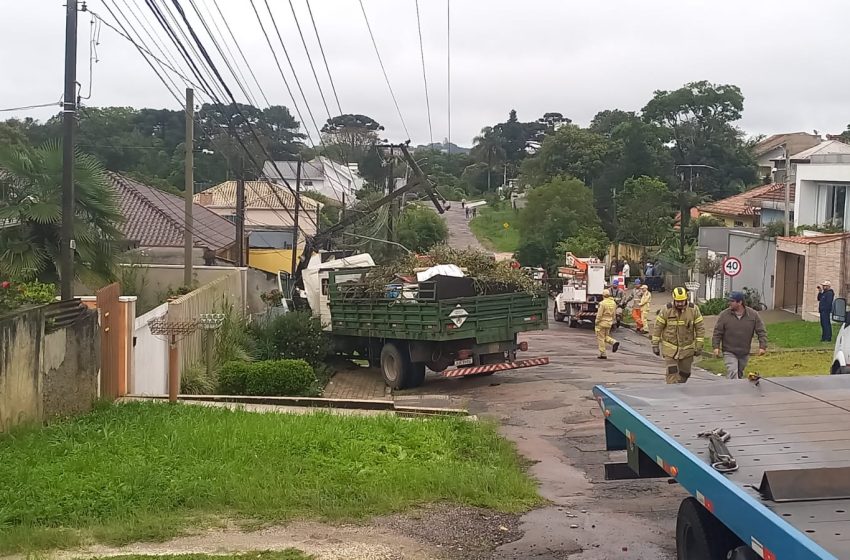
(842, 342)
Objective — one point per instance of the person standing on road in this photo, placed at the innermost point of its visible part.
(645, 301)
(825, 298)
(605, 316)
(733, 335)
(626, 270)
(634, 299)
(678, 336)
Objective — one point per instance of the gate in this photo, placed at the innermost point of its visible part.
(110, 333)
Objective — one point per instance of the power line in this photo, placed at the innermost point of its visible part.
(449, 74)
(309, 59)
(25, 107)
(383, 69)
(424, 77)
(325, 58)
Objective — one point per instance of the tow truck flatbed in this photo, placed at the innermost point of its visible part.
(781, 424)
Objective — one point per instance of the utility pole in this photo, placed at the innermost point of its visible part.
(787, 191)
(240, 213)
(297, 204)
(69, 116)
(189, 185)
(391, 211)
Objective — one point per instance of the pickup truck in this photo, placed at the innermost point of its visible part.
(406, 331)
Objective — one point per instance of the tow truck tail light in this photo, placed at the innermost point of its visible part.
(464, 354)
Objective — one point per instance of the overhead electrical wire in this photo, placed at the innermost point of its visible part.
(310, 59)
(324, 58)
(26, 107)
(146, 53)
(449, 74)
(383, 69)
(424, 76)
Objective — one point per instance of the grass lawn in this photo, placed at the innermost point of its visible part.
(143, 471)
(780, 363)
(489, 228)
(288, 554)
(799, 334)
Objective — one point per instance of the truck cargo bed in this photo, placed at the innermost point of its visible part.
(778, 425)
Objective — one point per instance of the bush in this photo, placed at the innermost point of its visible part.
(297, 335)
(281, 378)
(14, 294)
(713, 306)
(269, 378)
(233, 378)
(196, 381)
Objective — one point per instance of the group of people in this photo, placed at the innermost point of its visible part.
(469, 211)
(678, 334)
(650, 272)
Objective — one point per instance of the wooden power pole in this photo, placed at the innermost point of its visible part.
(297, 204)
(69, 115)
(189, 185)
(391, 211)
(240, 213)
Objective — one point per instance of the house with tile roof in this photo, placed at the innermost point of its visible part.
(336, 181)
(772, 148)
(269, 220)
(154, 220)
(753, 208)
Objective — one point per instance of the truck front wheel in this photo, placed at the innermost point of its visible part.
(700, 535)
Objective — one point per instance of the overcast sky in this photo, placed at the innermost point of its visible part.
(574, 57)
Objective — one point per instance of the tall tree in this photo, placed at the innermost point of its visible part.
(490, 148)
(571, 151)
(644, 211)
(349, 137)
(699, 118)
(31, 207)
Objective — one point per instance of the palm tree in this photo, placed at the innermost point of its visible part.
(488, 145)
(31, 215)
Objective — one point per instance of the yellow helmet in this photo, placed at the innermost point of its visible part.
(680, 294)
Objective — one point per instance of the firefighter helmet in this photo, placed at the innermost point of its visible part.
(680, 294)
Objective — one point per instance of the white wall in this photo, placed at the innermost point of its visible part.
(809, 177)
(150, 357)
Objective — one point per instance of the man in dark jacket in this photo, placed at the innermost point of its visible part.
(825, 298)
(733, 335)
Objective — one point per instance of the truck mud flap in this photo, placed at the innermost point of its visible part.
(504, 366)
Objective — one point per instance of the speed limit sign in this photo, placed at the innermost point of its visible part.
(732, 266)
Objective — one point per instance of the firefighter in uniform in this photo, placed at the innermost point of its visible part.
(605, 317)
(678, 336)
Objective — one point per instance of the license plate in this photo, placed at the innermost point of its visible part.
(466, 362)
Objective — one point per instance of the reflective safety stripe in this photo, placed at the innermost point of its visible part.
(698, 320)
(661, 320)
(682, 347)
(677, 323)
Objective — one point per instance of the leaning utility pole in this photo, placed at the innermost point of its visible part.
(189, 185)
(787, 191)
(240, 213)
(69, 115)
(297, 204)
(393, 207)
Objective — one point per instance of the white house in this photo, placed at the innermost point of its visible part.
(773, 147)
(322, 175)
(821, 193)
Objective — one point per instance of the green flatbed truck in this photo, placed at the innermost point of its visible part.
(455, 336)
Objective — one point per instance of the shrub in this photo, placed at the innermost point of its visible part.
(267, 378)
(14, 294)
(713, 306)
(233, 378)
(196, 381)
(297, 335)
(281, 378)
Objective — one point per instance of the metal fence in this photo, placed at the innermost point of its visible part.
(209, 298)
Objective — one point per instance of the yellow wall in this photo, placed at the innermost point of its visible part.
(271, 260)
(729, 221)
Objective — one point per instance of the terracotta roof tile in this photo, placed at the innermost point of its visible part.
(815, 239)
(746, 203)
(154, 218)
(258, 194)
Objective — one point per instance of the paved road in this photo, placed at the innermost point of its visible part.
(460, 235)
(550, 413)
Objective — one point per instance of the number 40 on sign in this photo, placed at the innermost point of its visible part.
(731, 266)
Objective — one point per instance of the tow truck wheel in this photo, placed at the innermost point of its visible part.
(573, 323)
(395, 366)
(559, 317)
(416, 375)
(699, 535)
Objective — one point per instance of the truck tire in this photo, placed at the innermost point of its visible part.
(573, 323)
(557, 315)
(395, 365)
(838, 369)
(700, 535)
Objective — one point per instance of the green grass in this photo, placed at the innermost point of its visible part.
(779, 364)
(798, 334)
(489, 228)
(143, 471)
(288, 554)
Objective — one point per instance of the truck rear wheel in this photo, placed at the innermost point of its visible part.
(700, 535)
(395, 365)
(558, 316)
(417, 375)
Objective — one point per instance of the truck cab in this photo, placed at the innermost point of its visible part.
(584, 281)
(842, 341)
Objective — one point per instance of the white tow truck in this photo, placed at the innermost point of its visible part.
(578, 301)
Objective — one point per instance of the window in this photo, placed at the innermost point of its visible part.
(832, 203)
(307, 183)
(739, 223)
